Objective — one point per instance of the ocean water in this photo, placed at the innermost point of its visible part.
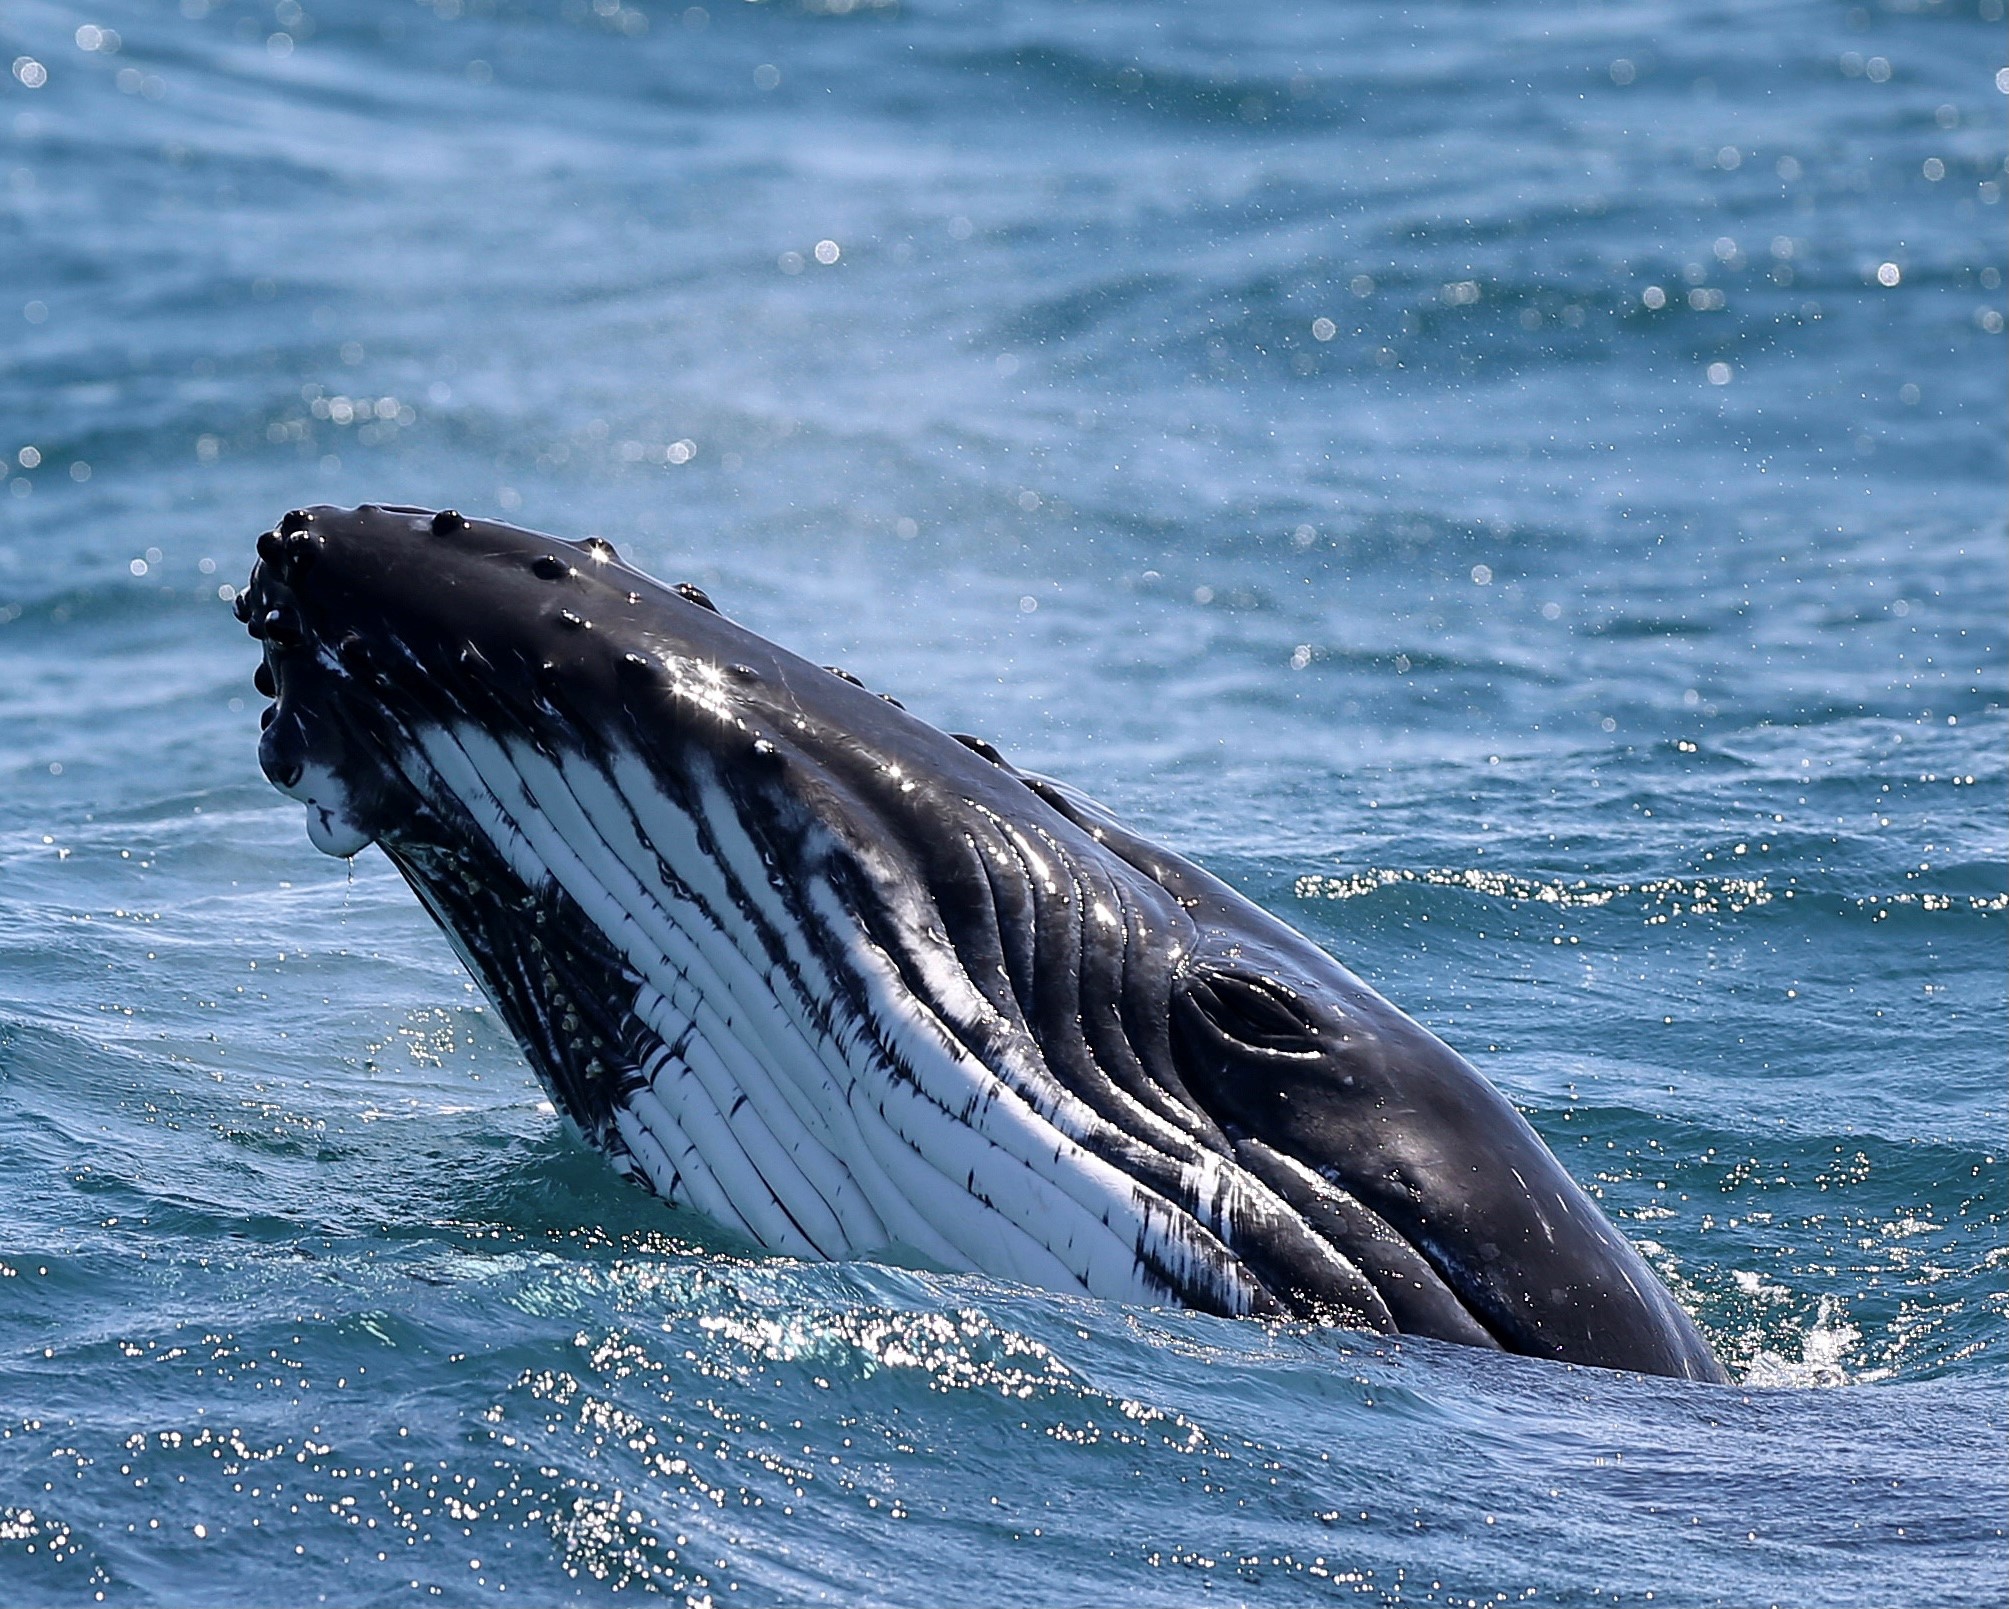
(1517, 489)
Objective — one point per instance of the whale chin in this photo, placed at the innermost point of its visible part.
(332, 826)
(850, 985)
(331, 831)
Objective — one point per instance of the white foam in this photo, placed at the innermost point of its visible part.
(1825, 1349)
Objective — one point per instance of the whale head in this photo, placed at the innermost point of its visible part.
(846, 983)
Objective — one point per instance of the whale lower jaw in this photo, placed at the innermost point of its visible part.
(742, 1047)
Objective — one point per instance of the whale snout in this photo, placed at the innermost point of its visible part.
(317, 743)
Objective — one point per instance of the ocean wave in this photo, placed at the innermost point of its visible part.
(1658, 899)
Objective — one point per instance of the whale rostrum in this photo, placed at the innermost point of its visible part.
(847, 984)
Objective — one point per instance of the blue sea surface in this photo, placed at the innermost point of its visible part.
(1517, 489)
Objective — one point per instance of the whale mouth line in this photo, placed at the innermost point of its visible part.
(848, 986)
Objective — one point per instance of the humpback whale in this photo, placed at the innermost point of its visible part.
(845, 983)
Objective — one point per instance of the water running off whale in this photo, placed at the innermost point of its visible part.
(843, 982)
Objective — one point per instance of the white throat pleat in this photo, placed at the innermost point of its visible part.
(677, 963)
(752, 1032)
(739, 1111)
(672, 1162)
(1105, 1225)
(772, 1199)
(765, 1103)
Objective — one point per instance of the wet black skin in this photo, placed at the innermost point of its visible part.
(1197, 1022)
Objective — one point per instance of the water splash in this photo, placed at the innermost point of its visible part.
(1826, 1347)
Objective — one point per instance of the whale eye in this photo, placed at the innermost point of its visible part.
(1254, 1011)
(549, 567)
